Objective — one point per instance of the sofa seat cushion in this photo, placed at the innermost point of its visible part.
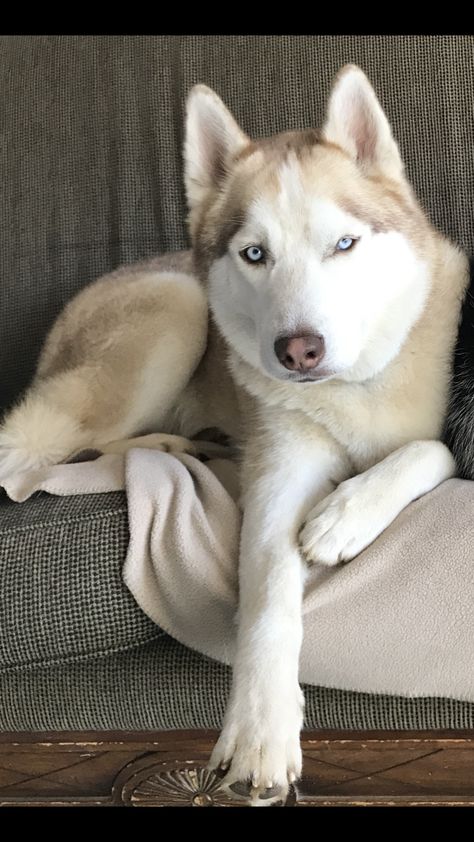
(61, 593)
(77, 652)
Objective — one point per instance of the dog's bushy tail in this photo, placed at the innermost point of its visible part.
(34, 434)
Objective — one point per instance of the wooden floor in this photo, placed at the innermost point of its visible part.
(134, 769)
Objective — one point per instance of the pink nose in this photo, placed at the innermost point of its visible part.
(300, 353)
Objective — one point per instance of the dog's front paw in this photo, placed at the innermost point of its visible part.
(342, 525)
(259, 762)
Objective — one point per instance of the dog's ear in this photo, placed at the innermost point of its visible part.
(357, 123)
(212, 139)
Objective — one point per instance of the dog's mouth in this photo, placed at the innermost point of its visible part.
(314, 379)
(314, 376)
(296, 377)
(300, 376)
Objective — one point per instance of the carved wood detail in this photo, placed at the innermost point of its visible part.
(170, 784)
(169, 769)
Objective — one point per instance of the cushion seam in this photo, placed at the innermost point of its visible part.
(57, 523)
(86, 656)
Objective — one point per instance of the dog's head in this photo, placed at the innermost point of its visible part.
(312, 242)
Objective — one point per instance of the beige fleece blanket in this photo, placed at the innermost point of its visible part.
(399, 619)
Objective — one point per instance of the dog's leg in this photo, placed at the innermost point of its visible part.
(260, 737)
(347, 521)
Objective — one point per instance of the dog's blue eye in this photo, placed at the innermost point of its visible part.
(253, 254)
(345, 243)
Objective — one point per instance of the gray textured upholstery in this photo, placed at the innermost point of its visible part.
(76, 651)
(91, 136)
(161, 685)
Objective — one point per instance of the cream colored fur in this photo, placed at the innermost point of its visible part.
(113, 365)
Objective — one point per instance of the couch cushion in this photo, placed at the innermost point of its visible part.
(91, 133)
(61, 592)
(161, 685)
(76, 651)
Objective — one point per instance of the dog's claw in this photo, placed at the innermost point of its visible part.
(220, 771)
(270, 792)
(242, 788)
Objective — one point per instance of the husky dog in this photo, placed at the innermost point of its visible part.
(327, 353)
